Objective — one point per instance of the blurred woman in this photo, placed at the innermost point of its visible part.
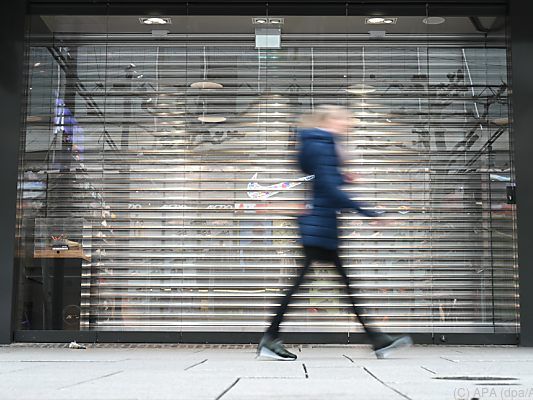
(320, 155)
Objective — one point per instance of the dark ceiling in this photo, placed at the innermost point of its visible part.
(272, 7)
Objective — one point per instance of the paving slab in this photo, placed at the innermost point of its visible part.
(127, 372)
(311, 389)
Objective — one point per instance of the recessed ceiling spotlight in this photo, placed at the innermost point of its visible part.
(268, 20)
(260, 21)
(433, 20)
(380, 21)
(155, 21)
(276, 21)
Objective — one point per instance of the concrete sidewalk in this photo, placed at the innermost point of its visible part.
(230, 372)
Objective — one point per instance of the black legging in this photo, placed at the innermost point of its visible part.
(318, 254)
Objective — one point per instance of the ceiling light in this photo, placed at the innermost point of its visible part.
(175, 122)
(433, 20)
(268, 21)
(211, 118)
(37, 64)
(155, 21)
(166, 113)
(380, 20)
(206, 85)
(276, 21)
(360, 89)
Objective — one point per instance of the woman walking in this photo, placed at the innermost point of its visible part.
(320, 156)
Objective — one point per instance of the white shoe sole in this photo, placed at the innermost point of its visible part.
(398, 344)
(267, 354)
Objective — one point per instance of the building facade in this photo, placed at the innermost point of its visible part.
(152, 188)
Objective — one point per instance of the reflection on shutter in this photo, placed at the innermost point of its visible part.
(184, 193)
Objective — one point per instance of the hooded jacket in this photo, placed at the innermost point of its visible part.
(318, 156)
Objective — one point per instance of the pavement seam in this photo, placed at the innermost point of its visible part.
(427, 369)
(305, 371)
(271, 377)
(90, 380)
(194, 365)
(228, 389)
(386, 385)
(449, 359)
(349, 358)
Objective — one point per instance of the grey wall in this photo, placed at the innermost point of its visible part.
(11, 89)
(522, 83)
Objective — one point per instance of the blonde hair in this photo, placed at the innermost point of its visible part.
(321, 114)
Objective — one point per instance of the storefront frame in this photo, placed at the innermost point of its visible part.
(522, 118)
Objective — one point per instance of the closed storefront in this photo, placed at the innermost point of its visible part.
(159, 188)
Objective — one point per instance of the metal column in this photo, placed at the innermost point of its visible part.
(12, 50)
(522, 59)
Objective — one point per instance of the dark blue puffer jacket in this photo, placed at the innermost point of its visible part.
(318, 156)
